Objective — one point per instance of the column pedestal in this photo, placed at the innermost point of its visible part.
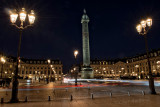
(87, 73)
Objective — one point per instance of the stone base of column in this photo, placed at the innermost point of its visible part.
(87, 73)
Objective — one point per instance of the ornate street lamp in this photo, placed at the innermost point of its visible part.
(142, 29)
(3, 61)
(49, 61)
(75, 56)
(137, 70)
(13, 18)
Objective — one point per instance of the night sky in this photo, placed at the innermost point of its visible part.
(58, 31)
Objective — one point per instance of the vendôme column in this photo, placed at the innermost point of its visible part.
(86, 71)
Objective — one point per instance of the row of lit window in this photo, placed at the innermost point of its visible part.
(38, 72)
(41, 67)
(43, 62)
(144, 57)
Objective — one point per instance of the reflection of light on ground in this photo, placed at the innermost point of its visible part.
(141, 82)
(49, 85)
(65, 80)
(28, 81)
(83, 83)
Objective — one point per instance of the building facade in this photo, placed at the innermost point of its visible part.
(41, 69)
(128, 67)
(36, 69)
(7, 68)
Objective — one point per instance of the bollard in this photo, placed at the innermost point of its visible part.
(49, 98)
(2, 100)
(88, 88)
(110, 94)
(6, 93)
(71, 98)
(91, 95)
(54, 91)
(129, 93)
(26, 98)
(143, 93)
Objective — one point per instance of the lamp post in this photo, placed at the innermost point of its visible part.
(39, 79)
(51, 73)
(5, 74)
(5, 78)
(35, 76)
(123, 71)
(75, 56)
(13, 17)
(49, 61)
(137, 70)
(142, 29)
(54, 73)
(3, 61)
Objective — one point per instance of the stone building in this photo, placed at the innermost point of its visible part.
(7, 68)
(136, 66)
(32, 68)
(41, 69)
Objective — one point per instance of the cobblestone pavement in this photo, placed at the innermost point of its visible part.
(77, 93)
(115, 101)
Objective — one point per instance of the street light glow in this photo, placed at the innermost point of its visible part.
(3, 60)
(49, 61)
(13, 16)
(22, 15)
(75, 53)
(122, 68)
(139, 28)
(137, 66)
(143, 23)
(149, 22)
(31, 17)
